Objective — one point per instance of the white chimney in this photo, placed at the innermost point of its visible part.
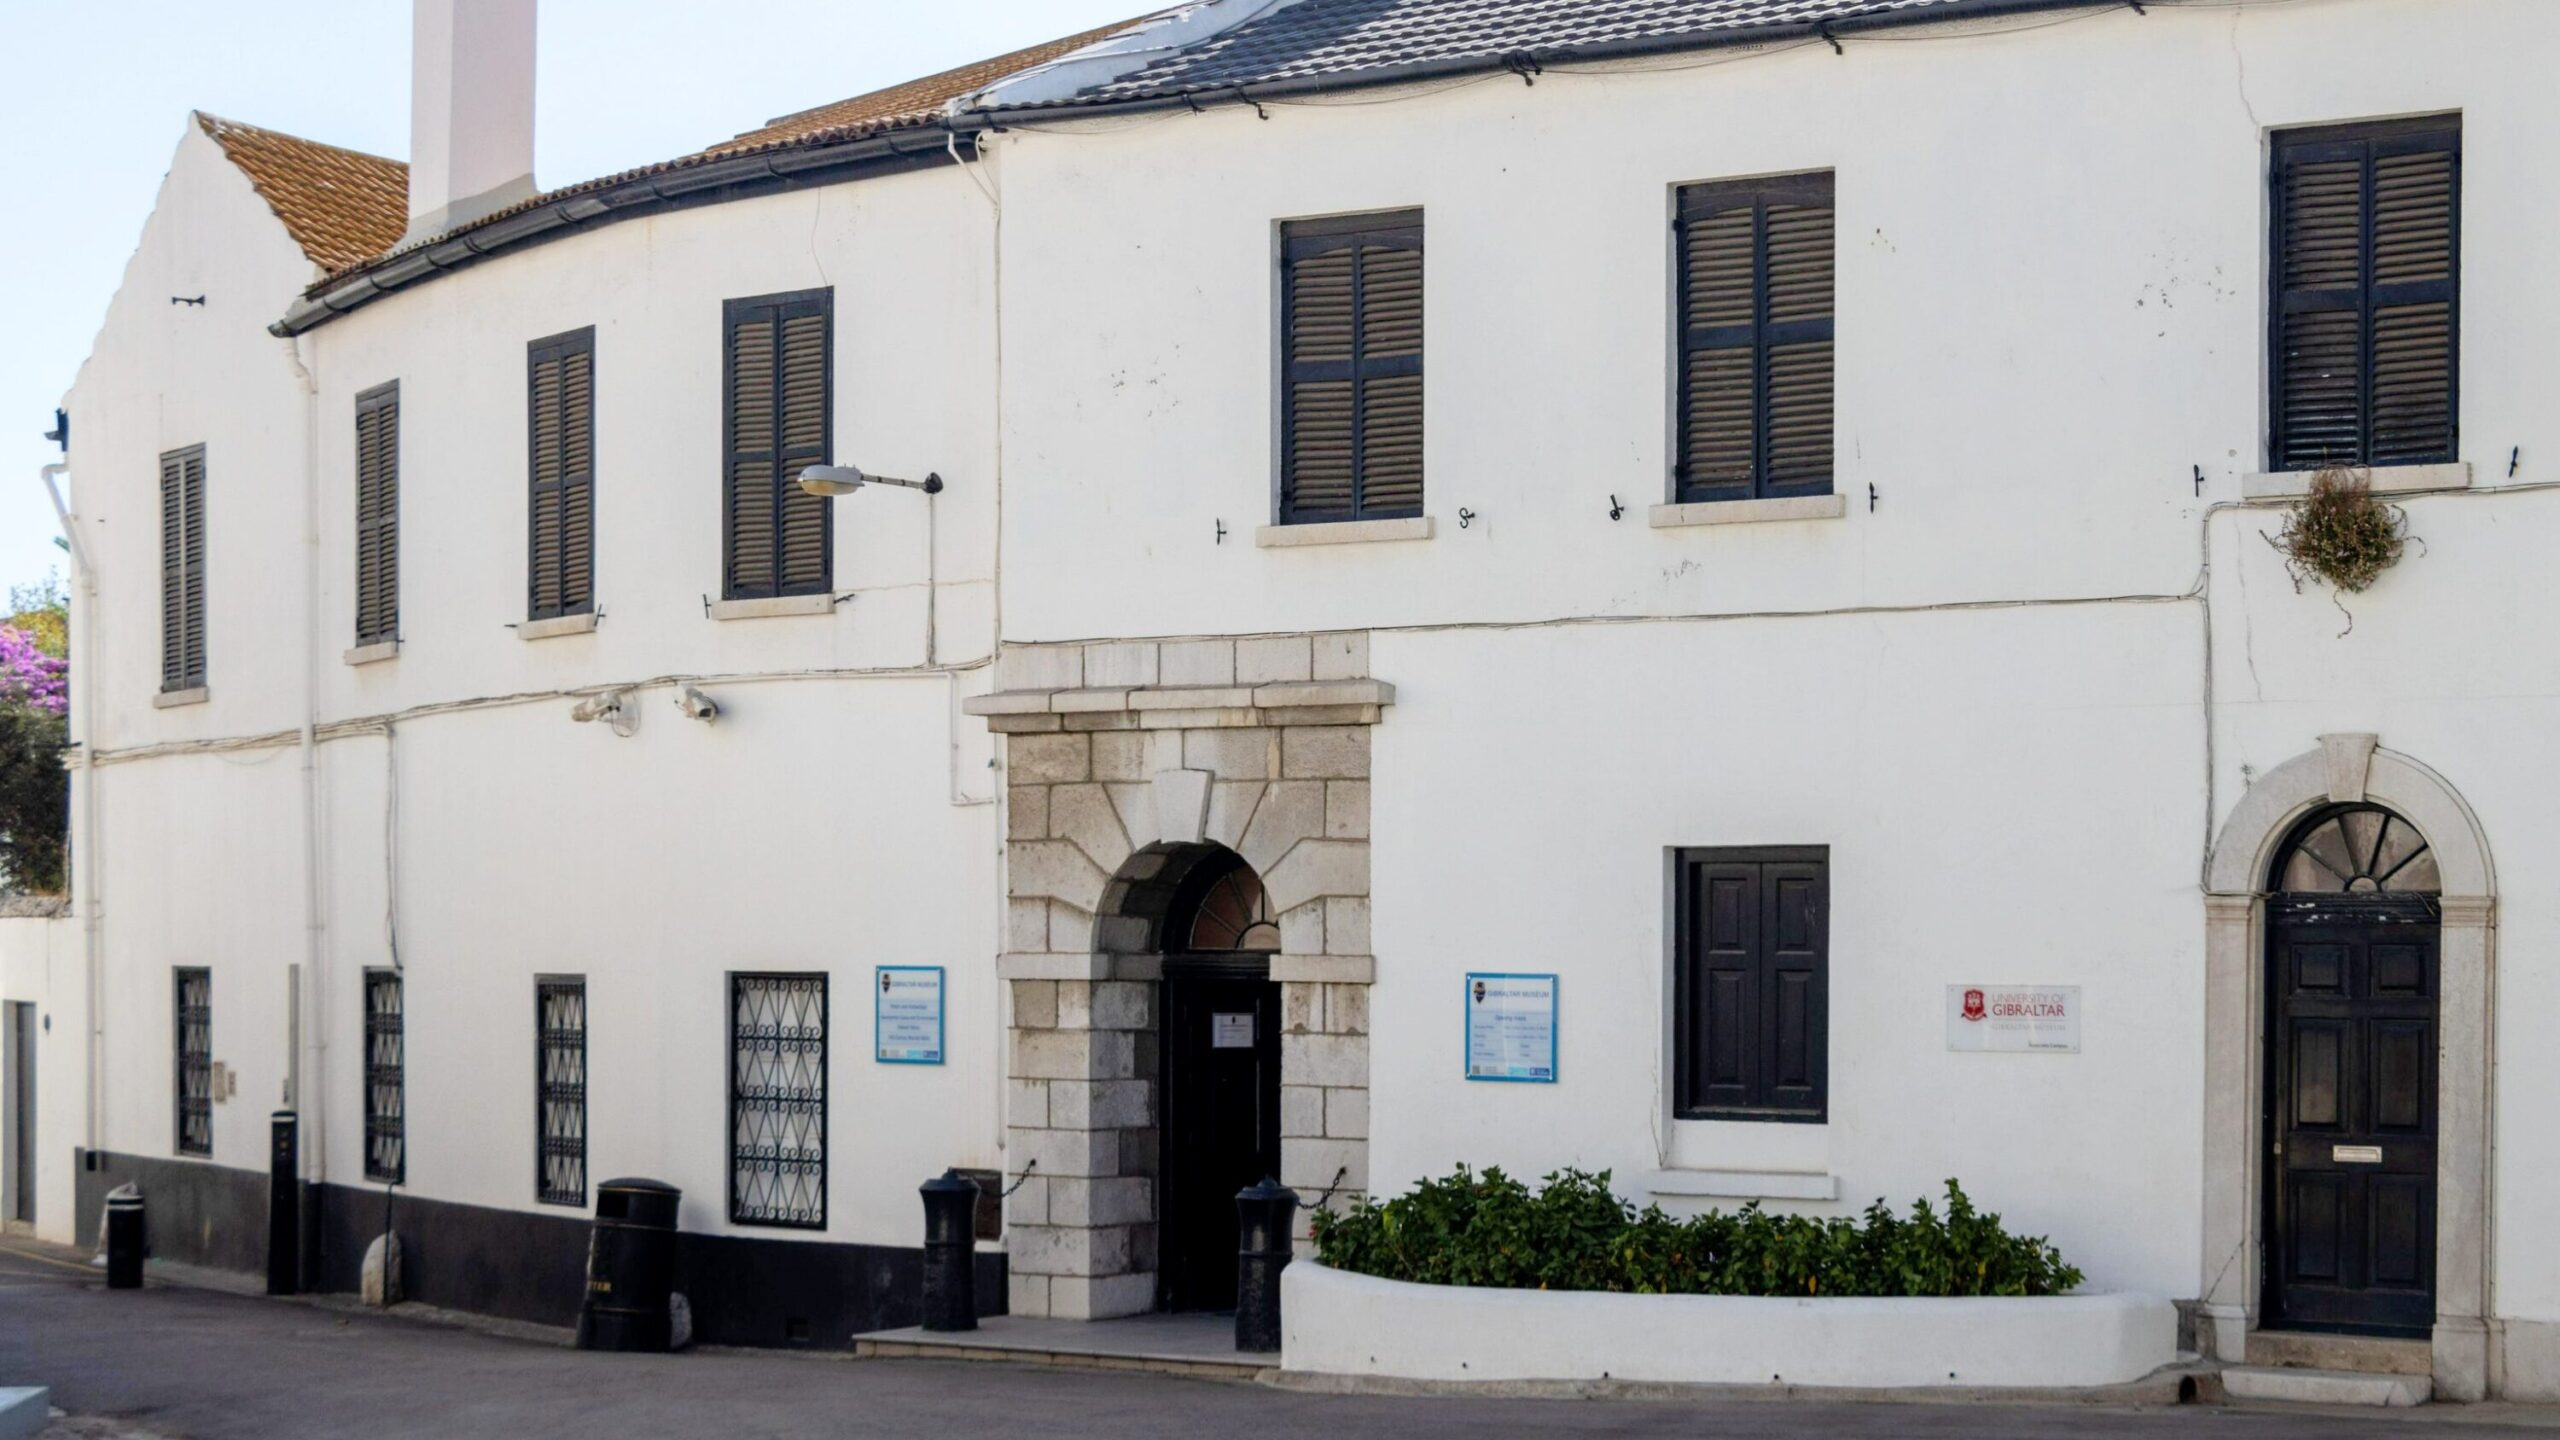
(470, 111)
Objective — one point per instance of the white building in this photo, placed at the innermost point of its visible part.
(1334, 674)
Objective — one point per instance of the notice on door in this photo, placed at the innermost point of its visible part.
(1511, 1027)
(1231, 1032)
(2044, 1019)
(907, 1025)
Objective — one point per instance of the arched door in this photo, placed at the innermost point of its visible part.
(2351, 1077)
(1221, 1055)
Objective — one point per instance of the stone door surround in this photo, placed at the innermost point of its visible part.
(1124, 761)
(2348, 769)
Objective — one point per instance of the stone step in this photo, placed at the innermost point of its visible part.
(25, 1411)
(2368, 1354)
(2326, 1387)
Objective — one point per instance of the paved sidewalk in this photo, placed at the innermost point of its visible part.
(185, 1362)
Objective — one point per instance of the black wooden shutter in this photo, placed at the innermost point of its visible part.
(2367, 251)
(560, 409)
(777, 538)
(1751, 995)
(1756, 271)
(378, 515)
(1351, 397)
(182, 547)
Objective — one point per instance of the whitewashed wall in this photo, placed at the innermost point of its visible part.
(40, 965)
(835, 818)
(2052, 310)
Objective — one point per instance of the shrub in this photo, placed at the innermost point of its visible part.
(2340, 533)
(1490, 1230)
(35, 799)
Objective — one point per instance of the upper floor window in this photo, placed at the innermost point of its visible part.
(2367, 290)
(182, 569)
(1752, 947)
(560, 413)
(1351, 349)
(1755, 299)
(378, 515)
(776, 538)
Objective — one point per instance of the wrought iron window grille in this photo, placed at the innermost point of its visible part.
(560, 1044)
(195, 1061)
(778, 1100)
(386, 1101)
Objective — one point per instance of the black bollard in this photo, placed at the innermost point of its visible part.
(284, 1205)
(950, 1252)
(1263, 1215)
(124, 1238)
(631, 1262)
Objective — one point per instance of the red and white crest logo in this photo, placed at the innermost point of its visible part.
(1973, 1004)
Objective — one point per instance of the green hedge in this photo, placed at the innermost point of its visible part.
(1576, 1234)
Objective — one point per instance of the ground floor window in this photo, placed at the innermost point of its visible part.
(1751, 983)
(560, 1055)
(386, 1100)
(195, 1061)
(778, 1100)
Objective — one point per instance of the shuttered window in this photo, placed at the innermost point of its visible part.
(378, 515)
(2367, 249)
(182, 569)
(195, 1060)
(1351, 393)
(1752, 992)
(560, 412)
(1755, 272)
(776, 537)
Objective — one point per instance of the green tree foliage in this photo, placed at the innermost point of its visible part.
(1493, 1231)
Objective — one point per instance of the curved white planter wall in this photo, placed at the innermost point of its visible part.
(1342, 1324)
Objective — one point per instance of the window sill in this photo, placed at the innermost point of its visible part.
(373, 654)
(1749, 512)
(1743, 1184)
(771, 606)
(1343, 532)
(172, 699)
(2386, 480)
(557, 625)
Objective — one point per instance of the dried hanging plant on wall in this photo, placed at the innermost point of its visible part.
(2340, 533)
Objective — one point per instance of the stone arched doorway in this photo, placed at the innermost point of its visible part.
(2251, 880)
(1130, 765)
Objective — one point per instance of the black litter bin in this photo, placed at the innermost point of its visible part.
(631, 1261)
(124, 1238)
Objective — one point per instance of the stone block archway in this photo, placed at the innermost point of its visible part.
(1121, 759)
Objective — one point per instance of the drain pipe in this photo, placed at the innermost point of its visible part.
(86, 886)
(310, 1090)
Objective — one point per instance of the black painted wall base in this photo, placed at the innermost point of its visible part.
(525, 1265)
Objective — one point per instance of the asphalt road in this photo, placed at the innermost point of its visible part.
(170, 1361)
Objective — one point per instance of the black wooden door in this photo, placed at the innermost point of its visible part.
(1221, 1119)
(2351, 1091)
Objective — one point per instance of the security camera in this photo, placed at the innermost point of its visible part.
(610, 707)
(697, 706)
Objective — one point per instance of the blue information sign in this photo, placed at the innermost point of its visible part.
(907, 1023)
(1511, 1027)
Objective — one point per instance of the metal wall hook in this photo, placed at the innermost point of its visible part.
(1222, 533)
(1466, 517)
(1616, 509)
(1871, 499)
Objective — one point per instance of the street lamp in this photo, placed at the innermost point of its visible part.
(831, 480)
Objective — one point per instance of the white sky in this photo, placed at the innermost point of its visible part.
(95, 93)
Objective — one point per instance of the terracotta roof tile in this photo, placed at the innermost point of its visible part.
(340, 206)
(914, 100)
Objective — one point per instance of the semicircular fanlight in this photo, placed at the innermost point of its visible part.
(2363, 850)
(1235, 914)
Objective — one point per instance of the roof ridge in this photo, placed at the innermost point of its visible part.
(213, 125)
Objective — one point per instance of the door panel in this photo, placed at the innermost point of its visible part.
(1221, 1125)
(2351, 1096)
